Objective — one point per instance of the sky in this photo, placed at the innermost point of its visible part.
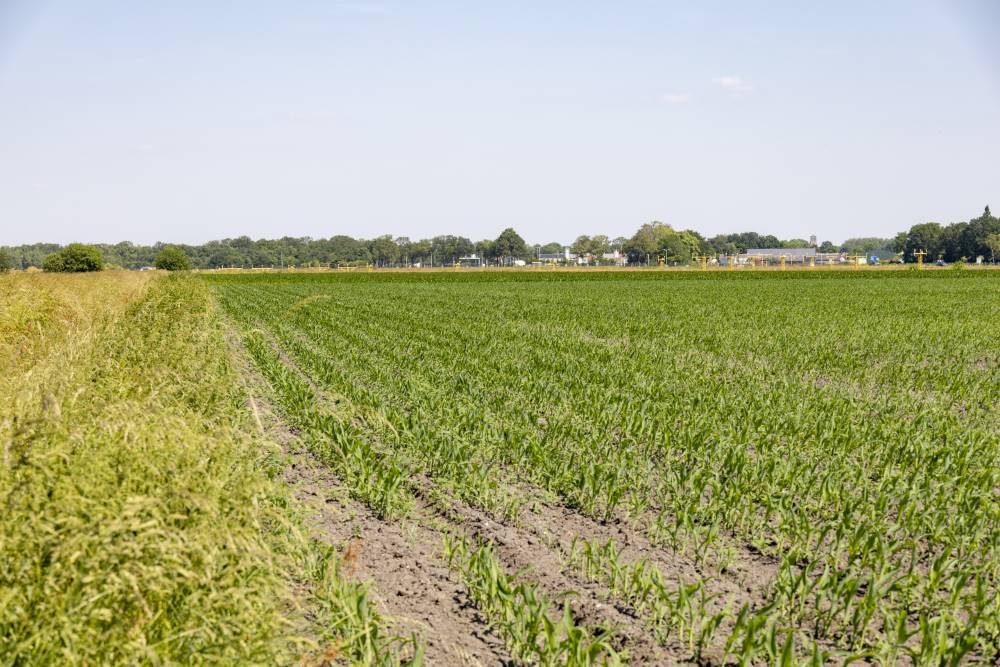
(190, 120)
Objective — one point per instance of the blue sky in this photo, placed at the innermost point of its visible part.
(187, 121)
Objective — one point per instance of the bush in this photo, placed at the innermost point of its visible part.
(53, 262)
(172, 258)
(74, 258)
(6, 261)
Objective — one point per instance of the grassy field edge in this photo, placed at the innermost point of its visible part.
(145, 521)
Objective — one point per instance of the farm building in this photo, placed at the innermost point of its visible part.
(617, 257)
(555, 257)
(791, 256)
(472, 260)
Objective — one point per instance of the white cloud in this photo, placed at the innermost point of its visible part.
(734, 84)
(676, 98)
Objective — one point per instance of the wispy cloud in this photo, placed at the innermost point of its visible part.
(675, 98)
(734, 84)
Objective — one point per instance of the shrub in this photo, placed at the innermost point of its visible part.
(6, 261)
(74, 258)
(53, 262)
(172, 258)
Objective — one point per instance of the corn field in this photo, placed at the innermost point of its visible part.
(810, 462)
(516, 468)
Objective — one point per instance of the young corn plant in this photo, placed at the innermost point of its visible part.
(534, 631)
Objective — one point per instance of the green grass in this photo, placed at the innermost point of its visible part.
(143, 522)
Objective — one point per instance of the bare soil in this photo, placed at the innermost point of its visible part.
(412, 586)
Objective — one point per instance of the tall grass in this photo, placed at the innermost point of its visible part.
(142, 523)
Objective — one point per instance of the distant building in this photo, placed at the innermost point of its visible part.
(615, 256)
(472, 260)
(791, 255)
(555, 257)
(778, 252)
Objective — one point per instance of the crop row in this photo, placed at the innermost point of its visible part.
(847, 435)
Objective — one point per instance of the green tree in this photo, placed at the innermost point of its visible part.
(826, 246)
(927, 237)
(899, 242)
(74, 258)
(599, 245)
(172, 258)
(993, 243)
(510, 245)
(384, 250)
(644, 243)
(6, 261)
(581, 246)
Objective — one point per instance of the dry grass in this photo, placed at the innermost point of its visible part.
(142, 521)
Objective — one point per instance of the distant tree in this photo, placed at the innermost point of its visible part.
(384, 250)
(899, 242)
(973, 242)
(551, 248)
(926, 237)
(644, 243)
(795, 243)
(447, 249)
(581, 246)
(226, 256)
(826, 246)
(74, 258)
(420, 251)
(599, 245)
(172, 258)
(870, 245)
(656, 239)
(510, 245)
(993, 243)
(6, 261)
(484, 249)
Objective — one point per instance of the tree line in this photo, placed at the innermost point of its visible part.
(978, 237)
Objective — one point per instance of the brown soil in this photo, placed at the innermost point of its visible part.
(410, 583)
(413, 588)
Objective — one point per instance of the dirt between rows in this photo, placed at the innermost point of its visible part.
(410, 582)
(412, 586)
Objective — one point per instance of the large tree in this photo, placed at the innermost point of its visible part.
(581, 246)
(993, 243)
(926, 237)
(509, 245)
(447, 249)
(384, 250)
(6, 261)
(657, 239)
